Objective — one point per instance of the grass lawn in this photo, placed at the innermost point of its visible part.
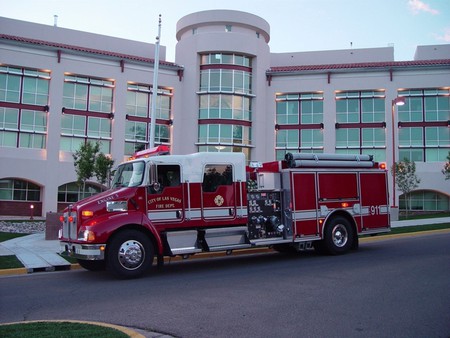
(63, 329)
(419, 228)
(5, 236)
(413, 215)
(9, 262)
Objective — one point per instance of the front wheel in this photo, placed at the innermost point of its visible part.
(338, 236)
(129, 254)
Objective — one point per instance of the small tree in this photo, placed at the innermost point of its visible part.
(89, 161)
(103, 165)
(446, 170)
(406, 179)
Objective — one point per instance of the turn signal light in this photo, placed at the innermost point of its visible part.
(87, 213)
(382, 165)
(344, 204)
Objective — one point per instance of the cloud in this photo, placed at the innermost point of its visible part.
(445, 37)
(417, 6)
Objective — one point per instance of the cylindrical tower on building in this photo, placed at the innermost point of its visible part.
(225, 55)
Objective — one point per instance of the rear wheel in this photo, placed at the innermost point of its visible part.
(338, 236)
(130, 254)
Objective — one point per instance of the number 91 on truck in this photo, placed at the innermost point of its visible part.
(168, 205)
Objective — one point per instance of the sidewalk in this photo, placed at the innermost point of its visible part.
(35, 253)
(38, 254)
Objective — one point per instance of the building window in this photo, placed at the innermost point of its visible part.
(87, 112)
(424, 135)
(360, 123)
(19, 190)
(23, 107)
(425, 200)
(225, 80)
(299, 109)
(225, 94)
(73, 192)
(299, 119)
(285, 140)
(224, 134)
(223, 106)
(88, 94)
(138, 116)
(288, 112)
(360, 107)
(226, 58)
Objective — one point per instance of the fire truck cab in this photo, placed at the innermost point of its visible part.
(207, 202)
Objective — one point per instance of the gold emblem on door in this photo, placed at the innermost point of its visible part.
(218, 200)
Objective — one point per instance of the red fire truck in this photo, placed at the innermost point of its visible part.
(168, 205)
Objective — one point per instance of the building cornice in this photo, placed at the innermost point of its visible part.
(362, 67)
(60, 48)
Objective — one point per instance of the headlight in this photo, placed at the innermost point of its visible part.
(112, 206)
(86, 235)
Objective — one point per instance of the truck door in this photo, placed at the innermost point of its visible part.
(165, 194)
(218, 193)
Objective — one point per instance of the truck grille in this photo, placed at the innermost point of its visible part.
(69, 229)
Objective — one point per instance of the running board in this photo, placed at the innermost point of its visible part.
(270, 241)
(183, 242)
(226, 238)
(230, 247)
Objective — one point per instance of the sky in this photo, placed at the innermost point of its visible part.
(295, 25)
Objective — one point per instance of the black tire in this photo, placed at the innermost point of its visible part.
(92, 265)
(319, 247)
(129, 254)
(338, 236)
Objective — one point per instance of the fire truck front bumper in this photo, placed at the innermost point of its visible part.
(90, 252)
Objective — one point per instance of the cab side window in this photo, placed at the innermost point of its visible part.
(166, 176)
(169, 175)
(216, 175)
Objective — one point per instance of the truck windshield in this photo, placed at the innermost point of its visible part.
(129, 175)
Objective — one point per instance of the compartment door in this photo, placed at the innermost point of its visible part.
(374, 200)
(304, 203)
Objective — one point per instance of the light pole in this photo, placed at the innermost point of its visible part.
(398, 101)
(151, 138)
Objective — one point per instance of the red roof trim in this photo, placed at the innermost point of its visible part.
(84, 49)
(361, 65)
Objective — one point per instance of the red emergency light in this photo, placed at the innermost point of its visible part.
(155, 151)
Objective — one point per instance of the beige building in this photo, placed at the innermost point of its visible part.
(225, 91)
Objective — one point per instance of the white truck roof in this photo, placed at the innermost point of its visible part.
(192, 165)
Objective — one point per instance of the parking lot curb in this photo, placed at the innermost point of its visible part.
(129, 332)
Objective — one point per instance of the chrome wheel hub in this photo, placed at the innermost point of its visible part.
(131, 254)
(340, 235)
